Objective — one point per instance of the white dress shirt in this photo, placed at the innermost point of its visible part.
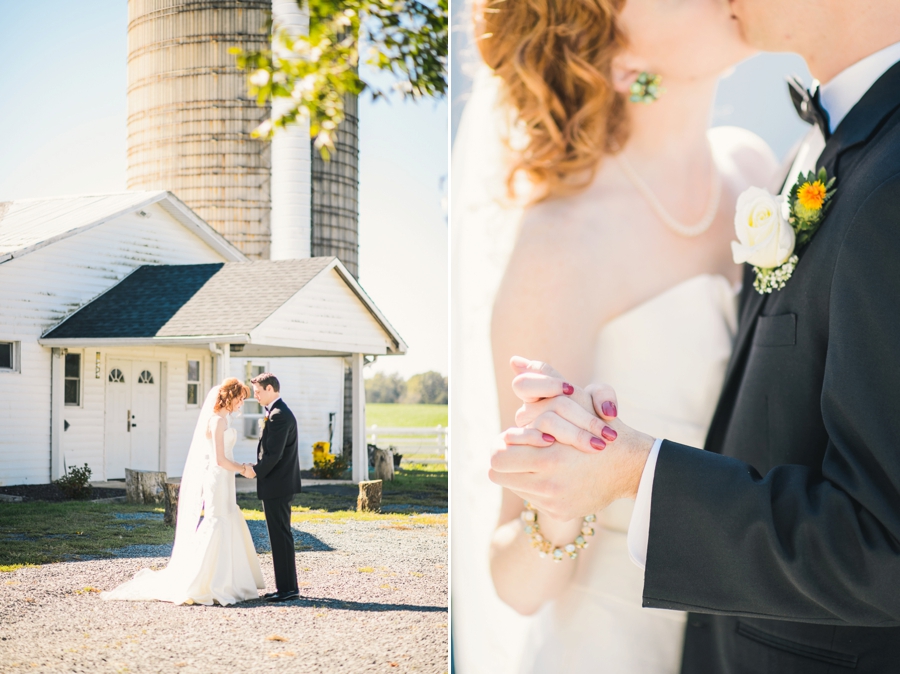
(268, 407)
(837, 97)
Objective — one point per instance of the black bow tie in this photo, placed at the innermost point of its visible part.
(809, 106)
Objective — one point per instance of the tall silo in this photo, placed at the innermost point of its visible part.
(189, 124)
(189, 116)
(335, 193)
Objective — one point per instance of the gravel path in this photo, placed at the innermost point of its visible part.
(373, 599)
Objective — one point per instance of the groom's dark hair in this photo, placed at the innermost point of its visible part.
(267, 379)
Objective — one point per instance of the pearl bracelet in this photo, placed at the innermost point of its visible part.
(544, 547)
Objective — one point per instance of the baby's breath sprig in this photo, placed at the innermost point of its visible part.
(769, 280)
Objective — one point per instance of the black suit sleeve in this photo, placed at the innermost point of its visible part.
(812, 544)
(277, 430)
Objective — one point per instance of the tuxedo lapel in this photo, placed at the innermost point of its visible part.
(864, 120)
(860, 124)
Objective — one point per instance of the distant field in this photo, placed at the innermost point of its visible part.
(389, 415)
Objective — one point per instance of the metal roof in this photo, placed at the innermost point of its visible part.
(29, 224)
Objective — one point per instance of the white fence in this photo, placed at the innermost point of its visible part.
(417, 445)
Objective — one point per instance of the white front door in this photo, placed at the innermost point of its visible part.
(132, 417)
(118, 418)
(145, 416)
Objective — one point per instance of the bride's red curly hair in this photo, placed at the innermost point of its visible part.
(554, 58)
(231, 389)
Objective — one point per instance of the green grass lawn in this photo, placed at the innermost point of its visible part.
(420, 490)
(395, 415)
(41, 532)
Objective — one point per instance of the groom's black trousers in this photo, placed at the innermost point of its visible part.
(278, 522)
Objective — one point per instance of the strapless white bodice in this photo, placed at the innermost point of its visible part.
(230, 440)
(666, 360)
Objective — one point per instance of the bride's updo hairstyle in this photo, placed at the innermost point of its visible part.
(231, 389)
(555, 60)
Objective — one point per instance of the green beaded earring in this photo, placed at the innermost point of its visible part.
(646, 88)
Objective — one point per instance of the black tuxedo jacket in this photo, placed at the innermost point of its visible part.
(784, 537)
(278, 467)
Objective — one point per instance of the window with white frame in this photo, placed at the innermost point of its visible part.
(193, 382)
(9, 356)
(252, 411)
(72, 390)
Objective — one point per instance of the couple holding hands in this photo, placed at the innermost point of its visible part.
(777, 549)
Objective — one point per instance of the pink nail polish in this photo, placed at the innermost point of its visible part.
(609, 409)
(568, 389)
(597, 443)
(548, 438)
(609, 434)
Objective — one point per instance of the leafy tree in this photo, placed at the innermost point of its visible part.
(406, 39)
(427, 388)
(382, 388)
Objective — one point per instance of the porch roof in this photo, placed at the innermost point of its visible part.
(311, 306)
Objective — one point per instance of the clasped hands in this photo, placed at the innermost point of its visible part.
(247, 470)
(569, 455)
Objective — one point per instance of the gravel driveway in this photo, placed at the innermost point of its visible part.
(373, 599)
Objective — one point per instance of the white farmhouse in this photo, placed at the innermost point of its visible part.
(117, 314)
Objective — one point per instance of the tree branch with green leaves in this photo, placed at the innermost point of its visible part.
(308, 76)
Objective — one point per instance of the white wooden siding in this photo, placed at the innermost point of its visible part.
(36, 292)
(311, 387)
(325, 314)
(84, 441)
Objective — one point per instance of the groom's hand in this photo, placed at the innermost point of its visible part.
(564, 482)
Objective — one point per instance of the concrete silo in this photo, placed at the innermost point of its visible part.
(335, 194)
(189, 124)
(189, 117)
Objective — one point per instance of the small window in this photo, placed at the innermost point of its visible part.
(9, 356)
(193, 382)
(116, 376)
(146, 377)
(72, 393)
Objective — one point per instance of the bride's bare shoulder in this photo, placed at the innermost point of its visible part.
(215, 422)
(742, 155)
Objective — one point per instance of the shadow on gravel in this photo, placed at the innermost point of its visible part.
(339, 604)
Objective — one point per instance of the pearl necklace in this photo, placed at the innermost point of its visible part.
(679, 228)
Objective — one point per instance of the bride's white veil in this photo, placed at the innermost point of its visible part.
(190, 492)
(488, 636)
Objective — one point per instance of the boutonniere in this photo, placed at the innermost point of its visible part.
(769, 228)
(262, 423)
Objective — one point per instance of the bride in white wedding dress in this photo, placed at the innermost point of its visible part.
(639, 195)
(215, 561)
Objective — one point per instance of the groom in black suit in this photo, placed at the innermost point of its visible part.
(783, 538)
(277, 480)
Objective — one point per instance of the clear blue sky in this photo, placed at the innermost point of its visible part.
(62, 131)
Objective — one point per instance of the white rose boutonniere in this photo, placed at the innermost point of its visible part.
(262, 423)
(769, 228)
(765, 237)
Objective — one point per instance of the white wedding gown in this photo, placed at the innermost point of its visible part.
(666, 360)
(220, 565)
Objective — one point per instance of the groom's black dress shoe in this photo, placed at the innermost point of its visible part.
(287, 595)
(267, 595)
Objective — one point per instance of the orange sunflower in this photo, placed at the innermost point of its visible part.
(812, 195)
